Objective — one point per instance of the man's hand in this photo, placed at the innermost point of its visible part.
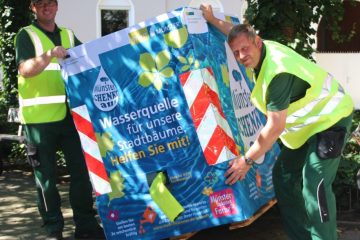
(36, 65)
(207, 12)
(237, 170)
(58, 52)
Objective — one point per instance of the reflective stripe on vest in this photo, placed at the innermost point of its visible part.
(42, 97)
(310, 106)
(71, 37)
(36, 40)
(53, 67)
(324, 104)
(41, 100)
(327, 109)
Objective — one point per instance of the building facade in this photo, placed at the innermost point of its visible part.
(91, 19)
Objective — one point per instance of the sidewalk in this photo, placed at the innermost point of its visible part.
(19, 218)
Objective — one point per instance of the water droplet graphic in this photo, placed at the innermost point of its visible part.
(237, 75)
(105, 94)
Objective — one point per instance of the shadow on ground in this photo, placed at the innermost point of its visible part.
(19, 218)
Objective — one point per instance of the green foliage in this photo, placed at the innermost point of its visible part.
(345, 181)
(333, 15)
(14, 15)
(291, 22)
(17, 156)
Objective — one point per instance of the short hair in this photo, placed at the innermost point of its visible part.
(37, 1)
(241, 29)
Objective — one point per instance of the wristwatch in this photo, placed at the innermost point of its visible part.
(249, 161)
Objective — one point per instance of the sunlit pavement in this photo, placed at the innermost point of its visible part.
(19, 218)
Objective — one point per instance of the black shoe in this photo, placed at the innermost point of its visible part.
(54, 236)
(94, 234)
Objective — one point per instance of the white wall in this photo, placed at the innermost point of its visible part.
(80, 15)
(346, 69)
(145, 9)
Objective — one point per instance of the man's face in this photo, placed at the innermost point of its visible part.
(246, 51)
(45, 10)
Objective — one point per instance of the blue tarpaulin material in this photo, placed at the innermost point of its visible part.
(161, 107)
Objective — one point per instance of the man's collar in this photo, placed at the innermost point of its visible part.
(262, 56)
(57, 29)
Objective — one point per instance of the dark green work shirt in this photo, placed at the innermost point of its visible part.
(284, 89)
(24, 47)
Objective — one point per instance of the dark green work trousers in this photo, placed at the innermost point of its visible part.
(45, 140)
(303, 187)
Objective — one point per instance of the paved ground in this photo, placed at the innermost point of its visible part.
(19, 218)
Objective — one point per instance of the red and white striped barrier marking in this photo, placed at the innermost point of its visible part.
(213, 130)
(94, 162)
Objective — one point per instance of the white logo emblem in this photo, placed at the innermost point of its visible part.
(105, 94)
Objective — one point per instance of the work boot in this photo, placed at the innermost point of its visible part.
(94, 234)
(54, 236)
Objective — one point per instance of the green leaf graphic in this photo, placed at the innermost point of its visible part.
(105, 143)
(147, 62)
(162, 59)
(146, 78)
(176, 38)
(117, 185)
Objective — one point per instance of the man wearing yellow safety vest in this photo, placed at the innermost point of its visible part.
(48, 122)
(310, 112)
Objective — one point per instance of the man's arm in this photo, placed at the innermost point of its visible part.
(273, 128)
(36, 65)
(208, 14)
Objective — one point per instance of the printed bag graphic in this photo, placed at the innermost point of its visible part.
(161, 107)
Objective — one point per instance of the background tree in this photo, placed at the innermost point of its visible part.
(14, 15)
(292, 22)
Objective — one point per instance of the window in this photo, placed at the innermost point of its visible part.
(114, 15)
(350, 21)
(113, 20)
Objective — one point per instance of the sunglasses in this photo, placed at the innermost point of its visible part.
(42, 4)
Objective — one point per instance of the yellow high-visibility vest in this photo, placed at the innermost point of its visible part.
(323, 105)
(42, 98)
